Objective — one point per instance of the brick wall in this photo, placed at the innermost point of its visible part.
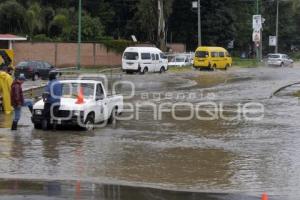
(65, 54)
(177, 47)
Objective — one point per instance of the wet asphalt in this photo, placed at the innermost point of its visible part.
(204, 159)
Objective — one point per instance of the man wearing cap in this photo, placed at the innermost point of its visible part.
(18, 101)
(51, 96)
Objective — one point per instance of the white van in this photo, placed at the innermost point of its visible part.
(143, 60)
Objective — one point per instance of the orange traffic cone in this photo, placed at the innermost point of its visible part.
(264, 196)
(80, 96)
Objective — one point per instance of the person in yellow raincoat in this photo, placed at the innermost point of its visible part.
(5, 87)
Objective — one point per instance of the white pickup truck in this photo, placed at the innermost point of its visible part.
(84, 103)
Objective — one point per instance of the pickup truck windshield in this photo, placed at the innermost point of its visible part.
(71, 90)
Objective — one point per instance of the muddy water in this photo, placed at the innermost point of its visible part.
(230, 156)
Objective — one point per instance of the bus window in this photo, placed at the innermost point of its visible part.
(214, 54)
(201, 54)
(163, 56)
(146, 56)
(153, 56)
(131, 56)
(222, 54)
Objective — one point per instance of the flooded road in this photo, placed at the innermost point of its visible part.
(237, 156)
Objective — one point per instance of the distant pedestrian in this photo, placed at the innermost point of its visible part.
(18, 101)
(51, 96)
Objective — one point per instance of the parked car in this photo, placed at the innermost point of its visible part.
(143, 60)
(35, 69)
(180, 61)
(279, 59)
(94, 105)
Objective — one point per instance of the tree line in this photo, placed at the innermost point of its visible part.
(223, 21)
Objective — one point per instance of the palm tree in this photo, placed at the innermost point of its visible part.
(34, 18)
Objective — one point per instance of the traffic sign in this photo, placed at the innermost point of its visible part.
(257, 22)
(195, 4)
(272, 41)
(256, 36)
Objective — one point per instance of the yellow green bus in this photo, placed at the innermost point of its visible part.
(212, 58)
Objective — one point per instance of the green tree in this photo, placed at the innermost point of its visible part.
(92, 29)
(182, 25)
(59, 26)
(48, 14)
(34, 19)
(145, 20)
(12, 15)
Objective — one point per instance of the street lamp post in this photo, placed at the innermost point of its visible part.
(199, 24)
(257, 47)
(79, 35)
(277, 22)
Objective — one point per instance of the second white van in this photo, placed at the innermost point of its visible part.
(143, 60)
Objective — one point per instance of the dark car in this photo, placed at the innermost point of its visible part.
(35, 69)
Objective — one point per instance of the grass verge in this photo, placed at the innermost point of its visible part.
(239, 62)
(91, 69)
(180, 69)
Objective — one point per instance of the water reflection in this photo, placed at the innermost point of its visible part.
(5, 120)
(17, 189)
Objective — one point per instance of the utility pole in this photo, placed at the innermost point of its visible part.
(277, 23)
(79, 35)
(257, 48)
(199, 23)
(161, 26)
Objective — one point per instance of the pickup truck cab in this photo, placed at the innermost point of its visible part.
(84, 103)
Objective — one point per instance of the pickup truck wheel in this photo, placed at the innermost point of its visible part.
(89, 123)
(112, 117)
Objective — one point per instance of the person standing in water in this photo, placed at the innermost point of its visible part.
(18, 101)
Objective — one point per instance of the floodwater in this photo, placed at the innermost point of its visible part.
(236, 156)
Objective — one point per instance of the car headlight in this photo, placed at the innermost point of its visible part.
(38, 112)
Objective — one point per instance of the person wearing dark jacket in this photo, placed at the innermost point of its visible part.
(51, 97)
(18, 101)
